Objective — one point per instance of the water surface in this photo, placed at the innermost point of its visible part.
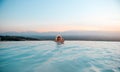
(48, 56)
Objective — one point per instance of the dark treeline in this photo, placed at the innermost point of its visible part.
(15, 38)
(84, 38)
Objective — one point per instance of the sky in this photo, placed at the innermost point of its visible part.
(59, 15)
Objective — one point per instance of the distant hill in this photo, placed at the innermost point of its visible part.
(68, 35)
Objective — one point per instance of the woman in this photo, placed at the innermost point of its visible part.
(59, 39)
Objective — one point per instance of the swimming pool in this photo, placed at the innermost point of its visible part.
(48, 56)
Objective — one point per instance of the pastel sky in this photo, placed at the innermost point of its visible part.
(59, 15)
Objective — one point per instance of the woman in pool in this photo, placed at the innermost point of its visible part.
(59, 39)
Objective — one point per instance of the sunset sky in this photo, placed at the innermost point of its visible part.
(59, 15)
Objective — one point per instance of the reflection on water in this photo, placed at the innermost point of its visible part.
(58, 45)
(48, 56)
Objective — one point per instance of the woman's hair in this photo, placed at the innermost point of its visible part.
(58, 37)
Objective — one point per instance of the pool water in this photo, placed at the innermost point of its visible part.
(48, 56)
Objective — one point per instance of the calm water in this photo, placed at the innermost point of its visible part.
(47, 56)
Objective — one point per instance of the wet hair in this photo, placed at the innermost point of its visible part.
(58, 37)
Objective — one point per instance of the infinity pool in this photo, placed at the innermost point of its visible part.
(48, 56)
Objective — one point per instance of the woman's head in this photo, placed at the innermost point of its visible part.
(59, 37)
